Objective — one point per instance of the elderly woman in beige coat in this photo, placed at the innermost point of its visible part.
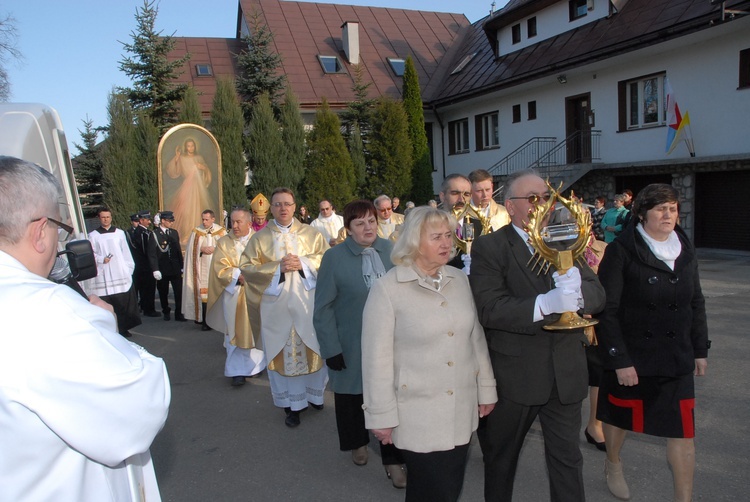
(426, 371)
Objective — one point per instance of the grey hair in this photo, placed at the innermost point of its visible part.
(407, 246)
(448, 179)
(27, 192)
(242, 210)
(380, 199)
(620, 197)
(511, 180)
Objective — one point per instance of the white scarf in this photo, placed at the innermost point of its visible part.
(372, 266)
(667, 251)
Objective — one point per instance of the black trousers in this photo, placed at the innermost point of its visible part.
(501, 436)
(163, 287)
(350, 422)
(146, 290)
(436, 476)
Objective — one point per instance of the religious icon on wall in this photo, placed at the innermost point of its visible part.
(189, 162)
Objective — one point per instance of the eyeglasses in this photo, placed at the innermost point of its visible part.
(63, 231)
(533, 199)
(385, 209)
(459, 192)
(282, 204)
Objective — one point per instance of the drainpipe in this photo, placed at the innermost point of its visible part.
(442, 137)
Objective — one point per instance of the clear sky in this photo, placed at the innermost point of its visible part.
(71, 48)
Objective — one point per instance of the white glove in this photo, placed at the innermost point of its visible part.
(570, 281)
(466, 258)
(157, 275)
(558, 301)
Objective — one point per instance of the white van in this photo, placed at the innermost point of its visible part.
(33, 132)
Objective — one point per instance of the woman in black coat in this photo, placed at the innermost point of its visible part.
(653, 338)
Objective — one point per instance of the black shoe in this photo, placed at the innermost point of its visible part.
(166, 316)
(152, 314)
(180, 318)
(238, 381)
(599, 446)
(292, 418)
(205, 327)
(317, 406)
(197, 322)
(126, 334)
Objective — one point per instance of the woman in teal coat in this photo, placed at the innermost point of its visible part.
(614, 219)
(344, 278)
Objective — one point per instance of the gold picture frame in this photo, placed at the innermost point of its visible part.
(189, 176)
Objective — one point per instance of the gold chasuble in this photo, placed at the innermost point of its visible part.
(228, 311)
(281, 305)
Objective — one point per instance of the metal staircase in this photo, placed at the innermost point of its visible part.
(567, 161)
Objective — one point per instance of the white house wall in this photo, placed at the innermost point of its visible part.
(702, 69)
(550, 21)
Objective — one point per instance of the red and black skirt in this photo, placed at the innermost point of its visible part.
(658, 406)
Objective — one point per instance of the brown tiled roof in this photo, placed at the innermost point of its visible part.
(303, 30)
(640, 23)
(217, 52)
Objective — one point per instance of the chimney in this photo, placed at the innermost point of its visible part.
(350, 37)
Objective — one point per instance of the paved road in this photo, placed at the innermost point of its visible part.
(230, 444)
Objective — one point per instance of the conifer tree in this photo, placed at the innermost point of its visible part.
(265, 151)
(390, 151)
(190, 108)
(357, 153)
(258, 66)
(154, 77)
(147, 146)
(227, 125)
(120, 162)
(421, 173)
(330, 173)
(293, 139)
(88, 166)
(359, 111)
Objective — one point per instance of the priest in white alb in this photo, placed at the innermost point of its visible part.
(328, 222)
(227, 302)
(114, 278)
(200, 249)
(280, 266)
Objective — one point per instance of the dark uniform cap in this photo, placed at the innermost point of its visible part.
(167, 215)
(134, 217)
(144, 214)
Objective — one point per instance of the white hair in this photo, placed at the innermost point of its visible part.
(27, 192)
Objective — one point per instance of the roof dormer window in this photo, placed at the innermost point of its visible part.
(330, 64)
(398, 66)
(463, 63)
(203, 70)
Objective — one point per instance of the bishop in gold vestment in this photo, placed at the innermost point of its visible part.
(280, 265)
(227, 302)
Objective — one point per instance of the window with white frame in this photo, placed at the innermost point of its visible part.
(645, 102)
(487, 130)
(458, 136)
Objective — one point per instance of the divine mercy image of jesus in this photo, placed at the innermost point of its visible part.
(190, 179)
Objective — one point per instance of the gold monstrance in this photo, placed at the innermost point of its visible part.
(577, 234)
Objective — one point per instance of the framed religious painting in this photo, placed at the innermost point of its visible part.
(189, 160)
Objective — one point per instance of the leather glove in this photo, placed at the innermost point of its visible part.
(558, 300)
(466, 258)
(157, 275)
(336, 363)
(569, 281)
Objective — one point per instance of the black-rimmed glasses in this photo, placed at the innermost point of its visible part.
(533, 198)
(63, 231)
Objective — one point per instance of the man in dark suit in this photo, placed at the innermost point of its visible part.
(539, 373)
(456, 193)
(144, 279)
(165, 258)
